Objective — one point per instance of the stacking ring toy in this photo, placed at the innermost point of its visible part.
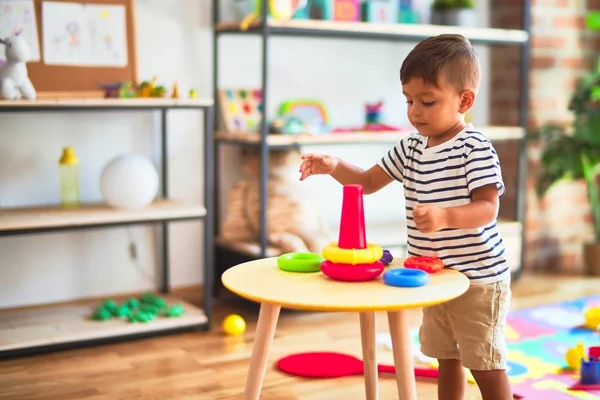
(405, 277)
(427, 264)
(352, 273)
(300, 262)
(337, 255)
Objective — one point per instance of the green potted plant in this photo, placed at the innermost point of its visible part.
(573, 151)
(453, 12)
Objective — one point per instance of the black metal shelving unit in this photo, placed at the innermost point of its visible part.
(227, 257)
(16, 221)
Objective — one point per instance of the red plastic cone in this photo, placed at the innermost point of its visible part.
(352, 225)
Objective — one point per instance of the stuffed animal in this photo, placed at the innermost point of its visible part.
(292, 222)
(14, 80)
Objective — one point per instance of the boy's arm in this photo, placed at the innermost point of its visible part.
(484, 180)
(482, 210)
(372, 180)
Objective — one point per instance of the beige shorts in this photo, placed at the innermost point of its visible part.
(469, 328)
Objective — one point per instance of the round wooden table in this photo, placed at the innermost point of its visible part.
(262, 281)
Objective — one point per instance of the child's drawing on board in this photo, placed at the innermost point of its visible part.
(73, 34)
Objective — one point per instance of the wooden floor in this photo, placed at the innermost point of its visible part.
(210, 366)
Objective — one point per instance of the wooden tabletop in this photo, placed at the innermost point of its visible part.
(262, 281)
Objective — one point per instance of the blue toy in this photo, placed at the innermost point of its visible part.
(406, 277)
(590, 371)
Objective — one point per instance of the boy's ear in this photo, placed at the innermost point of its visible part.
(467, 99)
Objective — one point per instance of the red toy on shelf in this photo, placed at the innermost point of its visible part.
(352, 258)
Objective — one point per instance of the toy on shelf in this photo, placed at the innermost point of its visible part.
(428, 264)
(144, 309)
(151, 89)
(175, 92)
(381, 11)
(279, 9)
(346, 10)
(373, 113)
(300, 117)
(14, 79)
(320, 9)
(406, 12)
(146, 89)
(373, 121)
(241, 109)
(300, 262)
(352, 258)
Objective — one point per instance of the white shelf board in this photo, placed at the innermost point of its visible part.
(49, 325)
(45, 217)
(493, 133)
(476, 34)
(100, 103)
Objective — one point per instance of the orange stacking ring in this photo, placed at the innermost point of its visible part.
(336, 255)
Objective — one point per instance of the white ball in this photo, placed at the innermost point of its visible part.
(129, 181)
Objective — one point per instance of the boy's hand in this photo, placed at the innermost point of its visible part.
(430, 218)
(317, 164)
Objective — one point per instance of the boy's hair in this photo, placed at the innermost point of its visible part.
(447, 55)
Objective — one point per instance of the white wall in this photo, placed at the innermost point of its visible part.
(175, 42)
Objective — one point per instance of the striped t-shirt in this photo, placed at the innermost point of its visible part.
(445, 175)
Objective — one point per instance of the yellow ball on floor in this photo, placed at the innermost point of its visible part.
(234, 325)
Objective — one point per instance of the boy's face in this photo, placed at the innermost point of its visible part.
(435, 110)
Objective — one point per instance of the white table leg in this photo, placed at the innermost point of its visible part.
(405, 376)
(263, 338)
(367, 335)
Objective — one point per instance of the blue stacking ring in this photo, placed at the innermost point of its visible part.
(406, 277)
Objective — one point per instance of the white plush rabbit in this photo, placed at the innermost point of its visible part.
(14, 80)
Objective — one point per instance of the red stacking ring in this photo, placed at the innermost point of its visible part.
(352, 273)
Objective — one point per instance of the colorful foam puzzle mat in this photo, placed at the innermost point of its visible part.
(538, 339)
(241, 109)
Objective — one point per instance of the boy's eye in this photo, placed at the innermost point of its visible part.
(428, 104)
(408, 102)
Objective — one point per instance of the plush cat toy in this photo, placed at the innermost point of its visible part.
(14, 80)
(292, 222)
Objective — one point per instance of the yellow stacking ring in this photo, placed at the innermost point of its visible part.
(336, 255)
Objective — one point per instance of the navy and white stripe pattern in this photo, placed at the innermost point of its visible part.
(446, 175)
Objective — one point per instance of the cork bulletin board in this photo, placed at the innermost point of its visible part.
(82, 80)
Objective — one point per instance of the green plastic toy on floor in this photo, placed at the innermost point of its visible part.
(145, 309)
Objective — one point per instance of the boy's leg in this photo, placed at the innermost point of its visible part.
(479, 319)
(451, 381)
(494, 385)
(437, 341)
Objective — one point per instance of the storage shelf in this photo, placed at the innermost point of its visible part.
(494, 133)
(58, 325)
(73, 104)
(377, 31)
(54, 218)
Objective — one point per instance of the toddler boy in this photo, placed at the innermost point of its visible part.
(452, 184)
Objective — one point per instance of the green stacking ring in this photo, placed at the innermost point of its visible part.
(300, 262)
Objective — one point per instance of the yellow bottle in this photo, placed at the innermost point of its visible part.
(69, 178)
